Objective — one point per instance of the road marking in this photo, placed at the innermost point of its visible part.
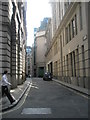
(21, 103)
(36, 111)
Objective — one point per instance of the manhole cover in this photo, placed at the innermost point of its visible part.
(36, 111)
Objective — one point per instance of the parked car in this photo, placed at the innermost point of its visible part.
(29, 76)
(47, 76)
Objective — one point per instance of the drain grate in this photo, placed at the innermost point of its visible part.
(36, 111)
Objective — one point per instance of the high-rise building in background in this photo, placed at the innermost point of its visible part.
(29, 61)
(13, 37)
(40, 48)
(43, 25)
(34, 54)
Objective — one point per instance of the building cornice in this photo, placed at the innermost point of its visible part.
(40, 34)
(67, 15)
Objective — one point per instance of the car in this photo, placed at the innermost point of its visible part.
(29, 76)
(47, 76)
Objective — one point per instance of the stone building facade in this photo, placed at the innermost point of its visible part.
(40, 53)
(39, 49)
(34, 54)
(68, 55)
(13, 40)
(29, 61)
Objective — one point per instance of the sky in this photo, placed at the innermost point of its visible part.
(36, 11)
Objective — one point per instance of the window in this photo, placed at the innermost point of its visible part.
(64, 66)
(56, 69)
(76, 24)
(28, 72)
(66, 35)
(68, 2)
(73, 64)
(28, 67)
(77, 52)
(80, 9)
(73, 27)
(69, 31)
(83, 60)
(66, 5)
(67, 64)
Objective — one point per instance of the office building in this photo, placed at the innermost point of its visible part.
(13, 40)
(68, 56)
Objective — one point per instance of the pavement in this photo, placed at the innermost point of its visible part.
(84, 91)
(17, 93)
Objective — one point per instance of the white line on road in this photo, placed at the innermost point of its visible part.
(36, 111)
(21, 103)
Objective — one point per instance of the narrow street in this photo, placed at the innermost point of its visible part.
(48, 99)
(44, 39)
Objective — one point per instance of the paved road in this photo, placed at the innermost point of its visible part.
(47, 99)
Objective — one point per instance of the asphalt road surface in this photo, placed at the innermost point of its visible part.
(48, 99)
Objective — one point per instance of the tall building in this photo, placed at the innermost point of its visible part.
(34, 54)
(29, 61)
(43, 25)
(13, 40)
(68, 56)
(40, 48)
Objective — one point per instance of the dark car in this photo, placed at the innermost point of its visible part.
(47, 76)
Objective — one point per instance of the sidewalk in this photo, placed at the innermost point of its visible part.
(17, 93)
(79, 89)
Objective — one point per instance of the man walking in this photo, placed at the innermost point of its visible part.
(4, 84)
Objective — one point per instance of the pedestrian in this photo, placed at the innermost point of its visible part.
(4, 84)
